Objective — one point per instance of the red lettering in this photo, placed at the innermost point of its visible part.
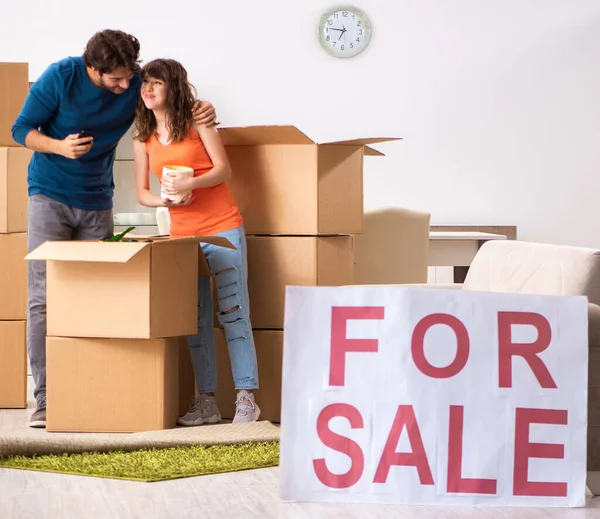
(456, 483)
(341, 444)
(462, 346)
(340, 345)
(405, 417)
(525, 450)
(529, 351)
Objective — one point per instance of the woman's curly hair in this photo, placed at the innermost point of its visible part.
(181, 97)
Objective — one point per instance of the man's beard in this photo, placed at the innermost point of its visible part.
(115, 90)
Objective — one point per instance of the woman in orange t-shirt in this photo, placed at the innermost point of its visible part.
(165, 136)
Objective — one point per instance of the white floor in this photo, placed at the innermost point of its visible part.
(27, 494)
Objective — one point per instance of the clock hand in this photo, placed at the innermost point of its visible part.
(334, 29)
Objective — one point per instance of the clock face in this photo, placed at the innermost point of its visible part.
(344, 32)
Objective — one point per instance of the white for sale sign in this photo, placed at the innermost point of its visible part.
(429, 396)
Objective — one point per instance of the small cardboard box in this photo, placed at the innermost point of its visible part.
(269, 353)
(14, 87)
(111, 385)
(286, 183)
(277, 261)
(14, 163)
(13, 277)
(146, 288)
(13, 364)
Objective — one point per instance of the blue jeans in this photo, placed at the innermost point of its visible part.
(230, 273)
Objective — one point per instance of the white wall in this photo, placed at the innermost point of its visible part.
(498, 102)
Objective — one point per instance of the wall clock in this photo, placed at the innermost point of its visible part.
(344, 32)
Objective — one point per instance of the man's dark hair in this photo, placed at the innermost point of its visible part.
(108, 50)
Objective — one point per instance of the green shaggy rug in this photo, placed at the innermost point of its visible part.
(154, 464)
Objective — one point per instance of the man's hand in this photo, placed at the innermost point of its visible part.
(176, 184)
(204, 114)
(72, 147)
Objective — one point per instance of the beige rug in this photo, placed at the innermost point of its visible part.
(14, 442)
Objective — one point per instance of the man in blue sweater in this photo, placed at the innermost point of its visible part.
(71, 174)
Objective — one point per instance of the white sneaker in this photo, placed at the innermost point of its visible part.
(246, 409)
(203, 410)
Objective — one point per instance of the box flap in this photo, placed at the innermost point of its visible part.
(256, 135)
(92, 251)
(363, 142)
(370, 152)
(214, 240)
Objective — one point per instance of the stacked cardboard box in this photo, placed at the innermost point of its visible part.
(116, 315)
(301, 202)
(14, 161)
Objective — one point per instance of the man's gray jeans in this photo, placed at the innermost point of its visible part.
(49, 220)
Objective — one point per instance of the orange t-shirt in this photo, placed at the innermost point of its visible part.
(214, 210)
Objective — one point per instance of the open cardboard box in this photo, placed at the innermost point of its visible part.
(142, 288)
(286, 183)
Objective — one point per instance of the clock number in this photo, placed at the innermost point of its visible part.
(335, 15)
(328, 38)
(329, 22)
(345, 14)
(359, 23)
(360, 32)
(358, 40)
(351, 45)
(334, 43)
(342, 47)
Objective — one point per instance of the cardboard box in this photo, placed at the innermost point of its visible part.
(13, 364)
(269, 352)
(111, 385)
(14, 165)
(14, 87)
(13, 276)
(277, 261)
(285, 183)
(146, 288)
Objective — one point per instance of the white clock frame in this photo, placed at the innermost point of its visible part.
(361, 30)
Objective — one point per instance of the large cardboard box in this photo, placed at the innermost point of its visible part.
(277, 261)
(269, 353)
(146, 288)
(14, 86)
(13, 276)
(13, 364)
(111, 385)
(286, 183)
(14, 164)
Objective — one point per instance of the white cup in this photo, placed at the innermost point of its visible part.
(176, 169)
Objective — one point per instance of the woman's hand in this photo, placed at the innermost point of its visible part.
(176, 184)
(186, 200)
